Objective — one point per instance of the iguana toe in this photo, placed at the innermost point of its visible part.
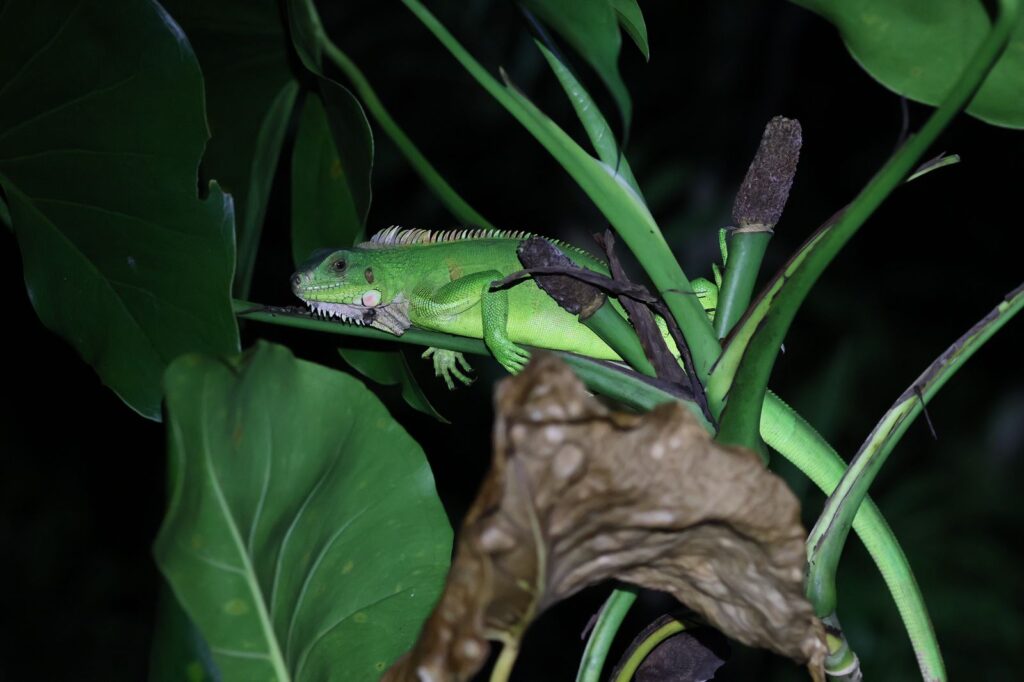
(446, 364)
(512, 357)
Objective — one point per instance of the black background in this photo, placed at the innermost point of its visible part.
(82, 477)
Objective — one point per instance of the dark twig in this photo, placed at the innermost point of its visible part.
(665, 364)
(623, 290)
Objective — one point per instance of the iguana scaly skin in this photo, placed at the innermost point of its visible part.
(441, 281)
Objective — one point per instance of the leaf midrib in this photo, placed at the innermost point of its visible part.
(274, 653)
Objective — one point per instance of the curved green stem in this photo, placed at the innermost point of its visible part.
(608, 621)
(459, 207)
(506, 661)
(797, 441)
(638, 655)
(827, 538)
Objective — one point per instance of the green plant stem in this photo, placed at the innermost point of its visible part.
(618, 333)
(451, 199)
(746, 251)
(638, 655)
(741, 417)
(601, 637)
(628, 387)
(828, 537)
(842, 664)
(506, 661)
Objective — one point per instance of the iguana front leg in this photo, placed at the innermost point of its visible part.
(438, 310)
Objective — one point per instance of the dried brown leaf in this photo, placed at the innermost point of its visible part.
(573, 294)
(578, 494)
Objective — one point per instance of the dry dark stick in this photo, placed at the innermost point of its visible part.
(665, 364)
(622, 289)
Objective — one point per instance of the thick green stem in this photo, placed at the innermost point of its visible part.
(746, 251)
(740, 418)
(619, 334)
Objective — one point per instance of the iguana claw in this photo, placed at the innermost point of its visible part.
(446, 365)
(512, 357)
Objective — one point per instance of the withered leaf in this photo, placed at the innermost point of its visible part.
(575, 295)
(578, 494)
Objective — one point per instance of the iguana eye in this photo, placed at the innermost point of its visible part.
(339, 265)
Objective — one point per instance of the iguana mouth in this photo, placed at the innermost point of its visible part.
(392, 317)
(346, 312)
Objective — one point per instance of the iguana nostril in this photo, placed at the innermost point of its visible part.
(296, 281)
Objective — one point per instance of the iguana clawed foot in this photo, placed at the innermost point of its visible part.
(446, 365)
(512, 357)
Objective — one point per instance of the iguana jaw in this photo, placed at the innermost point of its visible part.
(392, 317)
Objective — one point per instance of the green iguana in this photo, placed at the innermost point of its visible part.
(441, 281)
(371, 284)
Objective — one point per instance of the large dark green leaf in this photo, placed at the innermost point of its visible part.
(918, 48)
(243, 51)
(350, 130)
(101, 130)
(591, 27)
(304, 536)
(324, 212)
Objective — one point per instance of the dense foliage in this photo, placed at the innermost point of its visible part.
(158, 162)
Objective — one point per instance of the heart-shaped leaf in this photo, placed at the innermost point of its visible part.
(101, 131)
(243, 51)
(304, 536)
(918, 48)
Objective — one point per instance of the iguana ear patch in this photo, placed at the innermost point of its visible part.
(371, 298)
(369, 275)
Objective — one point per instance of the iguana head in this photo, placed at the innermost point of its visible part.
(343, 284)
